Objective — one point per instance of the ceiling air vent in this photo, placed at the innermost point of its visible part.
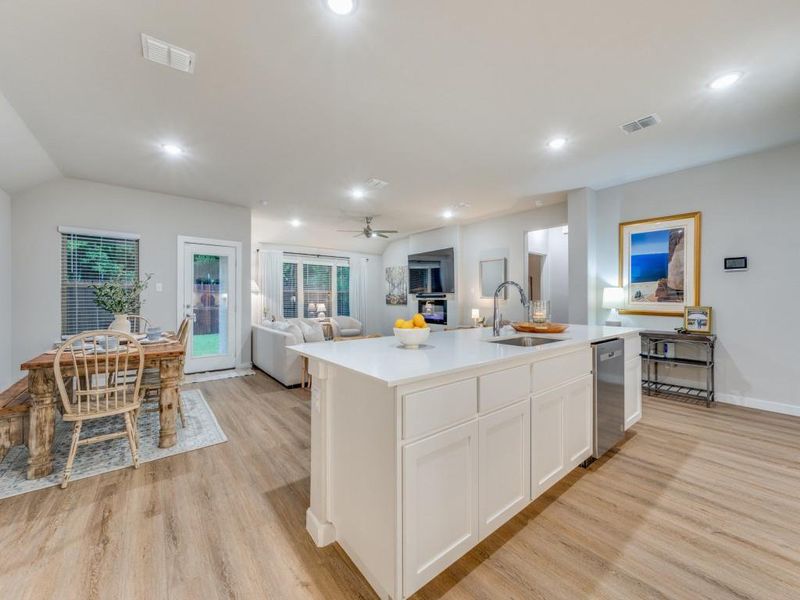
(374, 183)
(167, 54)
(640, 124)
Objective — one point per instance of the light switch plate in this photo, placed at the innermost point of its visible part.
(159, 287)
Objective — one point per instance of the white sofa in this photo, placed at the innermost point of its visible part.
(270, 353)
(271, 341)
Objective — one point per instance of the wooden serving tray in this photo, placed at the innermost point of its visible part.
(540, 327)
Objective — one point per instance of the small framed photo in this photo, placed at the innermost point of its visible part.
(697, 319)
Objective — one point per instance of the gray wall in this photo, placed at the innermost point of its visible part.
(158, 218)
(6, 365)
(751, 207)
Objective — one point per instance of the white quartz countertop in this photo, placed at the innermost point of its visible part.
(445, 352)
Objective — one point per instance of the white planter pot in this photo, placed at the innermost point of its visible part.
(120, 323)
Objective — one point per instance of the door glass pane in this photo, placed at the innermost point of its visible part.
(210, 305)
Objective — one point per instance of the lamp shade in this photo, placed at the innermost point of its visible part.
(476, 314)
(312, 308)
(613, 297)
(321, 307)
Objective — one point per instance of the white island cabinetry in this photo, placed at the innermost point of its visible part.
(419, 455)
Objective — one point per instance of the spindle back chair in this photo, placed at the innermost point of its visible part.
(92, 372)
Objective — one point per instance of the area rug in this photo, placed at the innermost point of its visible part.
(217, 375)
(201, 431)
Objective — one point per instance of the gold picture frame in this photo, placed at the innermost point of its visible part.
(697, 319)
(656, 297)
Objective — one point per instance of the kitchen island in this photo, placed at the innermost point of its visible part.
(418, 455)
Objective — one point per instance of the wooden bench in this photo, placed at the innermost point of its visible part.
(14, 407)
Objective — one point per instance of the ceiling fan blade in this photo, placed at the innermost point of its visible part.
(379, 234)
(349, 230)
(385, 230)
(359, 235)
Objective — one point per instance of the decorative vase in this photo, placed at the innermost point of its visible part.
(120, 323)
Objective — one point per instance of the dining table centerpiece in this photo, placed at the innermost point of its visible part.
(121, 296)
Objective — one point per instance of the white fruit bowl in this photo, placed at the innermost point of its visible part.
(412, 338)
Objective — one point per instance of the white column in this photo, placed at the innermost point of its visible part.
(581, 216)
(318, 515)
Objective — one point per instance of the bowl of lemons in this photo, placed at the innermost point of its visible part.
(413, 332)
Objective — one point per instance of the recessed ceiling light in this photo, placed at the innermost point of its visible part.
(539, 203)
(172, 149)
(341, 7)
(557, 143)
(447, 214)
(357, 193)
(264, 203)
(725, 81)
(295, 223)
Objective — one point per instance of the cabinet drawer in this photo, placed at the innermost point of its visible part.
(633, 347)
(558, 370)
(496, 390)
(439, 407)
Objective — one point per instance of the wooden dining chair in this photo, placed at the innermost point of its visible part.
(152, 385)
(94, 384)
(139, 324)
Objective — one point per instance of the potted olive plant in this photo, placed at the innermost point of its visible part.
(121, 297)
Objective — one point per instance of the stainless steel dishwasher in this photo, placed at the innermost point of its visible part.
(609, 394)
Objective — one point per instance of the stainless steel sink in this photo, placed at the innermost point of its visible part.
(526, 341)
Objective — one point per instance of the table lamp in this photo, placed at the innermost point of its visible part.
(312, 309)
(476, 315)
(614, 298)
(321, 310)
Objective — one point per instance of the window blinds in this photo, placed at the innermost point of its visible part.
(315, 279)
(89, 259)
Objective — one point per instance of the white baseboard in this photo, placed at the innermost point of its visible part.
(768, 405)
(322, 533)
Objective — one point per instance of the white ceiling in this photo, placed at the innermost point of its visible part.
(450, 101)
(23, 161)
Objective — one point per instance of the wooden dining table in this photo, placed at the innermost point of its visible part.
(166, 356)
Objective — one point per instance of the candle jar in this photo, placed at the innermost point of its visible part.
(540, 311)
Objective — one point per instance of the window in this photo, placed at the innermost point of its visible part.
(343, 290)
(315, 280)
(289, 290)
(88, 259)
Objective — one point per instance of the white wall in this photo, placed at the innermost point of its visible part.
(375, 300)
(158, 218)
(553, 243)
(7, 369)
(496, 238)
(396, 255)
(751, 207)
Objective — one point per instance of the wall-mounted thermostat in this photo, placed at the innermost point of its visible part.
(738, 263)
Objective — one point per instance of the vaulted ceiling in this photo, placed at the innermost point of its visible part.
(450, 101)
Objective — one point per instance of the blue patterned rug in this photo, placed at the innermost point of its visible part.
(201, 430)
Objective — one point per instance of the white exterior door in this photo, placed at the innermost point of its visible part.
(208, 294)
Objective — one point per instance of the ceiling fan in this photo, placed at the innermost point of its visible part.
(368, 231)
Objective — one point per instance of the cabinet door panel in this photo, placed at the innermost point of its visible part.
(547, 439)
(440, 503)
(578, 416)
(504, 473)
(633, 391)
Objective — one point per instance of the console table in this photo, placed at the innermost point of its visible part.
(652, 355)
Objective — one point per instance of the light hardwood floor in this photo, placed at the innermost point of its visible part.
(697, 503)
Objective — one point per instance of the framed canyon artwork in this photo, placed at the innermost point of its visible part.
(660, 264)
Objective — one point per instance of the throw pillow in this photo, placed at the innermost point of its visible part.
(312, 333)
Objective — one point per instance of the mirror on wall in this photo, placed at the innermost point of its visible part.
(492, 274)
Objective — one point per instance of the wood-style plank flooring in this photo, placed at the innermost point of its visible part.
(697, 503)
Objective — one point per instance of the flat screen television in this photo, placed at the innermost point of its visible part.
(431, 272)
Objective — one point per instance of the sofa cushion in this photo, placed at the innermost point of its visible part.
(288, 327)
(312, 332)
(350, 332)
